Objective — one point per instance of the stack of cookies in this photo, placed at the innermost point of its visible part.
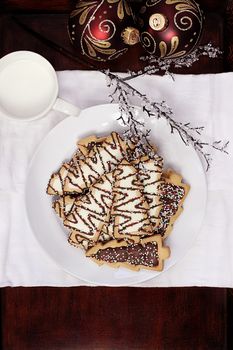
(118, 208)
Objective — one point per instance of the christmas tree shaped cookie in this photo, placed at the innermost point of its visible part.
(130, 209)
(57, 180)
(91, 212)
(149, 254)
(173, 192)
(63, 205)
(102, 159)
(150, 173)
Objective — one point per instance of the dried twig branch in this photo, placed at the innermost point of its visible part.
(136, 130)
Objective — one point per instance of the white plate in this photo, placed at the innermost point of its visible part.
(59, 145)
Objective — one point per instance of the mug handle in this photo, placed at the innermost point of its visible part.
(66, 107)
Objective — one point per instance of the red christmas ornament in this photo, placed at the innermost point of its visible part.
(170, 28)
(101, 30)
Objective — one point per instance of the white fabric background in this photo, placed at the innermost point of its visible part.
(203, 100)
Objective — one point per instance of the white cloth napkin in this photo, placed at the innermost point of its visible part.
(203, 100)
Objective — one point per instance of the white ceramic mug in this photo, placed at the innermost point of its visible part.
(29, 87)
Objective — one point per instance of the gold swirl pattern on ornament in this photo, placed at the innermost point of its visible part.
(90, 45)
(117, 54)
(83, 8)
(95, 46)
(106, 26)
(183, 5)
(190, 9)
(150, 3)
(174, 45)
(163, 48)
(148, 42)
(122, 8)
(186, 22)
(178, 54)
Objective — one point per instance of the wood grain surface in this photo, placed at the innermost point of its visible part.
(66, 5)
(108, 318)
(113, 318)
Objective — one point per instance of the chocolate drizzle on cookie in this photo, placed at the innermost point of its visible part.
(92, 211)
(118, 204)
(63, 205)
(150, 173)
(130, 209)
(56, 182)
(104, 158)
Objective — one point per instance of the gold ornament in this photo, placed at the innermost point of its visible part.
(130, 36)
(158, 22)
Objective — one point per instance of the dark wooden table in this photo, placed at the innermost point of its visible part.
(109, 318)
